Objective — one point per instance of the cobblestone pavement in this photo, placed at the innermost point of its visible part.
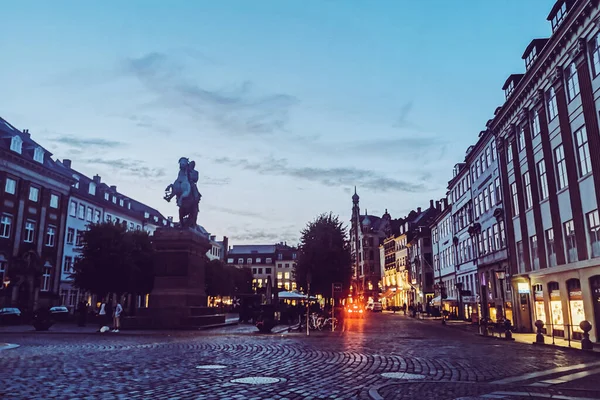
(429, 361)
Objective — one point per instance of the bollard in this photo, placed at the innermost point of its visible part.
(539, 337)
(586, 343)
(507, 332)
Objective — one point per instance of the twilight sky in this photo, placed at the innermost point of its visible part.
(284, 105)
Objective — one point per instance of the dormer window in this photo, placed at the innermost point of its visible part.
(16, 144)
(128, 205)
(114, 199)
(146, 214)
(559, 15)
(38, 155)
(530, 57)
(509, 89)
(106, 196)
(121, 202)
(92, 189)
(76, 184)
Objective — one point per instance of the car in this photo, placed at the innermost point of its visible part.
(60, 313)
(375, 307)
(10, 315)
(354, 311)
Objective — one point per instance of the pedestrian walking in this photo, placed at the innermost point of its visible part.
(117, 317)
(102, 315)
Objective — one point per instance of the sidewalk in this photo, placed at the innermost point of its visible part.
(526, 338)
(72, 328)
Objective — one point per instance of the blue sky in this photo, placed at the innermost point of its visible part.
(284, 105)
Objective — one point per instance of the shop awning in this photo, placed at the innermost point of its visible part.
(436, 301)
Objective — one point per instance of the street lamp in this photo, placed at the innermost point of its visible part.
(6, 282)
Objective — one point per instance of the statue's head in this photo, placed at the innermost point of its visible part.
(183, 162)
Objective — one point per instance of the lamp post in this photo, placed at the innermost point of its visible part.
(308, 279)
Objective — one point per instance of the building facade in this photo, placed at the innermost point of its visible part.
(367, 232)
(260, 259)
(286, 266)
(488, 235)
(34, 191)
(443, 259)
(548, 144)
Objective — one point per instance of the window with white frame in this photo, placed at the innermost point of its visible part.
(70, 235)
(10, 186)
(561, 167)
(34, 193)
(68, 265)
(497, 190)
(496, 232)
(73, 208)
(241, 261)
(38, 155)
(97, 216)
(78, 238)
(73, 297)
(114, 199)
(490, 240)
(121, 202)
(570, 241)
(502, 235)
(493, 151)
(595, 54)
(50, 236)
(46, 274)
(543, 180)
(89, 214)
(521, 139)
(269, 261)
(594, 232)
(92, 189)
(16, 144)
(535, 257)
(5, 227)
(583, 152)
(551, 103)
(249, 261)
(106, 196)
(488, 156)
(550, 248)
(3, 264)
(559, 16)
(520, 255)
(29, 232)
(81, 211)
(572, 81)
(528, 194)
(509, 153)
(486, 199)
(53, 201)
(535, 123)
(515, 199)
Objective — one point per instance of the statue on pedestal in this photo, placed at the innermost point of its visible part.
(186, 192)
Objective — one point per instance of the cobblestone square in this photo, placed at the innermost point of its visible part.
(381, 357)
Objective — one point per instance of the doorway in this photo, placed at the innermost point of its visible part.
(595, 286)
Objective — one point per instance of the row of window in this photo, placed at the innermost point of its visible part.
(283, 275)
(10, 187)
(584, 167)
(6, 225)
(570, 239)
(16, 145)
(485, 160)
(491, 239)
(463, 217)
(82, 212)
(260, 271)
(487, 199)
(45, 278)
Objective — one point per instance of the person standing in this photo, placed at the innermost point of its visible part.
(102, 314)
(117, 317)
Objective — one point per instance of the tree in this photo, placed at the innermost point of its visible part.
(113, 260)
(324, 254)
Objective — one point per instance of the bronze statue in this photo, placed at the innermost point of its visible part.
(186, 193)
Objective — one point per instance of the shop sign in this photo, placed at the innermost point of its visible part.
(555, 295)
(575, 295)
(523, 288)
(539, 296)
(469, 299)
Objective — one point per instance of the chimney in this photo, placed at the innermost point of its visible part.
(26, 132)
(225, 246)
(113, 188)
(67, 163)
(418, 210)
(170, 219)
(97, 179)
(438, 205)
(431, 204)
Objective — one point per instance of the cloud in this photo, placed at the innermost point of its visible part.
(80, 142)
(209, 181)
(402, 122)
(232, 211)
(339, 176)
(148, 123)
(135, 168)
(239, 110)
(264, 236)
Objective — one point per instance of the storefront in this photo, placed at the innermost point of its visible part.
(577, 313)
(556, 312)
(540, 305)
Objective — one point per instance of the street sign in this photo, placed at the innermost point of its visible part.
(337, 288)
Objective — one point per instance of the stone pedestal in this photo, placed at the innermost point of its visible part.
(178, 300)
